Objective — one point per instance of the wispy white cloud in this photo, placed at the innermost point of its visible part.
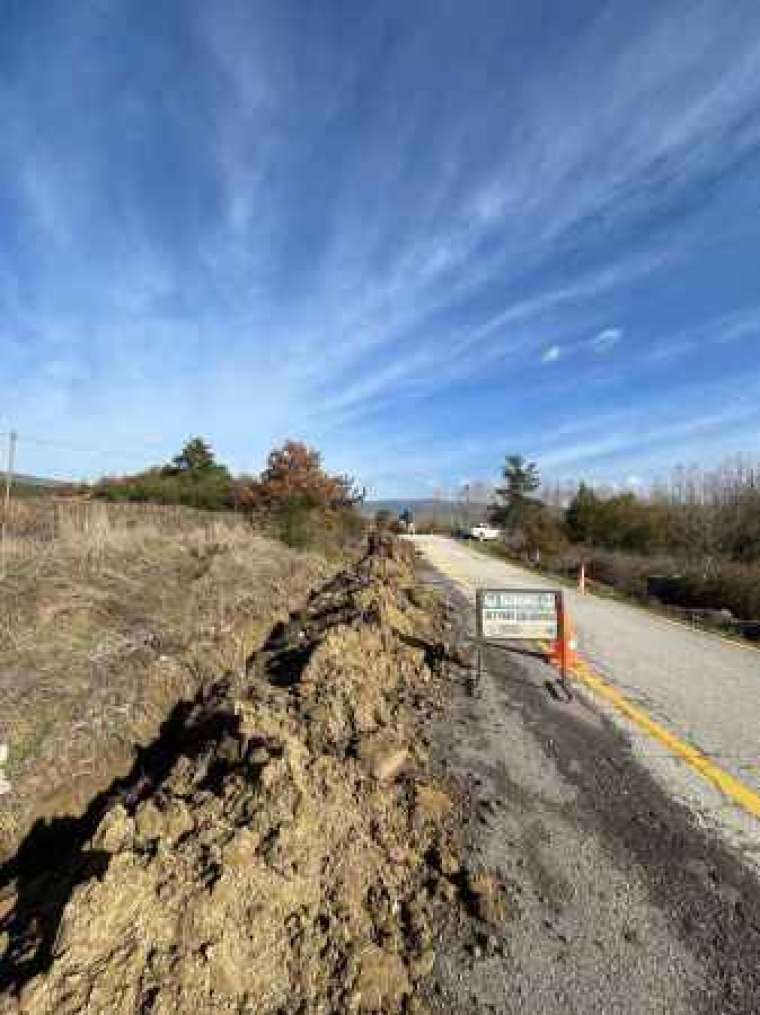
(741, 326)
(331, 245)
(606, 339)
(626, 438)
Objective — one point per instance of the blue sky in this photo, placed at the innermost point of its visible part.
(418, 234)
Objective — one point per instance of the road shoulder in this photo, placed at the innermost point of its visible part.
(616, 900)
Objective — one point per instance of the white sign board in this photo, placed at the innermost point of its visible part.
(518, 614)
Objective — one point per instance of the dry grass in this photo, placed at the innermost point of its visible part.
(109, 614)
(41, 525)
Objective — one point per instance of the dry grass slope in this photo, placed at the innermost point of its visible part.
(108, 616)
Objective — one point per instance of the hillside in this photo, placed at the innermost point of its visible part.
(25, 485)
(442, 511)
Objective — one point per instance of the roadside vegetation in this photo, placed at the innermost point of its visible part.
(691, 543)
(293, 499)
(298, 502)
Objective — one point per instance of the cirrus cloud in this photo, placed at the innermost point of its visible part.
(606, 339)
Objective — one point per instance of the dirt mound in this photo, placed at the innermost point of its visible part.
(285, 851)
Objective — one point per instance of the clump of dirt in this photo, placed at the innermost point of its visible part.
(289, 851)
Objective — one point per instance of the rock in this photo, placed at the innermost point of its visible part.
(459, 654)
(149, 822)
(177, 821)
(259, 756)
(432, 804)
(229, 749)
(383, 756)
(241, 849)
(7, 905)
(488, 896)
(448, 862)
(416, 1007)
(447, 890)
(382, 983)
(115, 832)
(5, 783)
(423, 964)
(387, 764)
(275, 771)
(422, 598)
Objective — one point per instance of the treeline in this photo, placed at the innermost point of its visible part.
(699, 530)
(293, 498)
(193, 478)
(697, 515)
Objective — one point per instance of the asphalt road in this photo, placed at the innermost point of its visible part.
(618, 900)
(699, 687)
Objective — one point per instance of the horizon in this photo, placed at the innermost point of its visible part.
(418, 237)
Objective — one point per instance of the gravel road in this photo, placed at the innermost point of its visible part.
(619, 901)
(698, 686)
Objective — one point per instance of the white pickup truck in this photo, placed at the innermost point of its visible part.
(484, 532)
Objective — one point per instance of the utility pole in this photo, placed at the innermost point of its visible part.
(9, 465)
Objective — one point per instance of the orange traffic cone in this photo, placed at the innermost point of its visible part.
(563, 653)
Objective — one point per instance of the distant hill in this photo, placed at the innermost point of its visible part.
(23, 480)
(34, 486)
(440, 510)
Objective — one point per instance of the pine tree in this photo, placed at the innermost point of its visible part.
(516, 504)
(196, 456)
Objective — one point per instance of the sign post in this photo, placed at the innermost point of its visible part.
(520, 614)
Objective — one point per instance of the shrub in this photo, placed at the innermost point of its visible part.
(293, 522)
(193, 478)
(299, 502)
(294, 498)
(734, 587)
(622, 522)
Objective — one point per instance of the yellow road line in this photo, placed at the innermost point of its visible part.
(729, 785)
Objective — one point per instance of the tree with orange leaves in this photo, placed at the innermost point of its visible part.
(294, 472)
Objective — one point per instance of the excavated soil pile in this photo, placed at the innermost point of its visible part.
(285, 848)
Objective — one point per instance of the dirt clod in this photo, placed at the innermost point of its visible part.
(384, 756)
(488, 896)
